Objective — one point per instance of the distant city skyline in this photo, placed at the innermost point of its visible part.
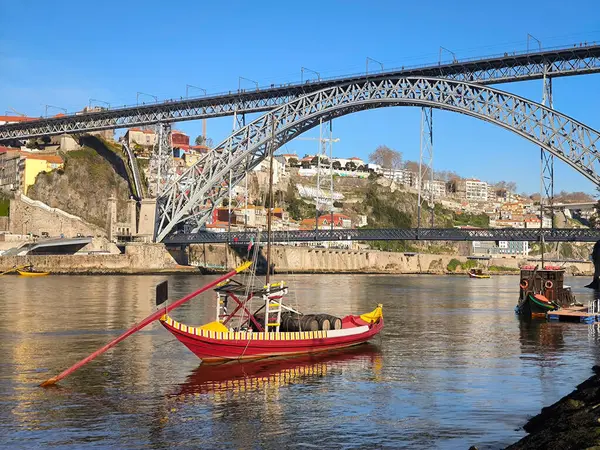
(128, 47)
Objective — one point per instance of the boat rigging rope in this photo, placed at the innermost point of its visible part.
(250, 278)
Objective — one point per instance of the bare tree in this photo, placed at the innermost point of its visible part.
(386, 157)
(446, 175)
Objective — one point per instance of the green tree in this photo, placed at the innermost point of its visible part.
(200, 140)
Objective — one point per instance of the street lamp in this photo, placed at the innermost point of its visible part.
(137, 97)
(303, 69)
(529, 36)
(375, 61)
(449, 51)
(187, 86)
(56, 107)
(247, 79)
(98, 101)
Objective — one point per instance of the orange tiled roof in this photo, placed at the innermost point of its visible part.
(55, 159)
(15, 119)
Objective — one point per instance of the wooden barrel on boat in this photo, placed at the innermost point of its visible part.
(260, 318)
(323, 321)
(336, 322)
(295, 322)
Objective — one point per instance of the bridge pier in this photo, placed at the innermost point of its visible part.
(147, 220)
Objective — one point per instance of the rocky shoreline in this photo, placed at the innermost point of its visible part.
(571, 423)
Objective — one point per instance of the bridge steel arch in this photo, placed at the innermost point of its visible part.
(191, 198)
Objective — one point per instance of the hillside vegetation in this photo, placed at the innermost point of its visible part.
(90, 176)
(386, 205)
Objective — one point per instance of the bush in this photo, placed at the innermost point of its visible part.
(453, 264)
(475, 220)
(4, 206)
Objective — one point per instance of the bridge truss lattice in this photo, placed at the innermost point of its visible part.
(190, 200)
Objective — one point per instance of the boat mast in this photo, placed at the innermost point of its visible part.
(270, 197)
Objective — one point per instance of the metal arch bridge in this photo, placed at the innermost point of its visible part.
(191, 198)
(395, 234)
(522, 66)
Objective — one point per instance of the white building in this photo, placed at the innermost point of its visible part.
(476, 190)
(437, 186)
(402, 176)
(279, 168)
(491, 248)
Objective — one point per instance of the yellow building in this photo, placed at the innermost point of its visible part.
(35, 164)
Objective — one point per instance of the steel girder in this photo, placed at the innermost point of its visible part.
(203, 185)
(396, 234)
(490, 70)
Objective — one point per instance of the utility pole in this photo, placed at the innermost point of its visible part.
(426, 165)
(323, 182)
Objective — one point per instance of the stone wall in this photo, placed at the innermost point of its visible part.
(32, 216)
(317, 260)
(4, 223)
(138, 258)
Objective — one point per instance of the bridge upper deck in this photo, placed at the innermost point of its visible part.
(508, 67)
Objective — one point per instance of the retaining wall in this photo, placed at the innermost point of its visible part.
(138, 258)
(318, 260)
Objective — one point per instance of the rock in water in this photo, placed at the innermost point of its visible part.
(570, 423)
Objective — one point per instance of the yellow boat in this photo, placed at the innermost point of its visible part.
(32, 274)
(477, 273)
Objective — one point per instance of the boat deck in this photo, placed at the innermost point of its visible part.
(574, 313)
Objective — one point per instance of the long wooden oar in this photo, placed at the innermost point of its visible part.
(14, 269)
(151, 318)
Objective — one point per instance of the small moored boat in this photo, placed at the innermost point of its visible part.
(477, 273)
(26, 273)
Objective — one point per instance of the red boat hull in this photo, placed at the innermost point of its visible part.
(212, 346)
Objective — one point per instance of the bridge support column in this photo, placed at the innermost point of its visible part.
(546, 158)
(161, 162)
(112, 218)
(147, 222)
(324, 182)
(425, 181)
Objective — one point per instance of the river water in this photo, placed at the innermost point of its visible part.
(454, 367)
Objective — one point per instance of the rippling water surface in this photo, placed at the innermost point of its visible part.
(453, 368)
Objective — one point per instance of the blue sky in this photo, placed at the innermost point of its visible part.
(64, 53)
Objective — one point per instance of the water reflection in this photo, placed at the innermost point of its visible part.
(238, 377)
(454, 367)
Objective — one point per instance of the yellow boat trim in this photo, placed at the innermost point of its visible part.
(216, 330)
(374, 315)
(33, 274)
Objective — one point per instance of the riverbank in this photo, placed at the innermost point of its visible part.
(572, 422)
(330, 261)
(136, 259)
(139, 258)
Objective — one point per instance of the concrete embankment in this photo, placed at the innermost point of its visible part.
(572, 422)
(321, 260)
(154, 258)
(137, 258)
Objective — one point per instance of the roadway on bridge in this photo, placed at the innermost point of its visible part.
(565, 61)
(410, 234)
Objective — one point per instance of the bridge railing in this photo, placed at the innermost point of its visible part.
(396, 234)
(297, 84)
